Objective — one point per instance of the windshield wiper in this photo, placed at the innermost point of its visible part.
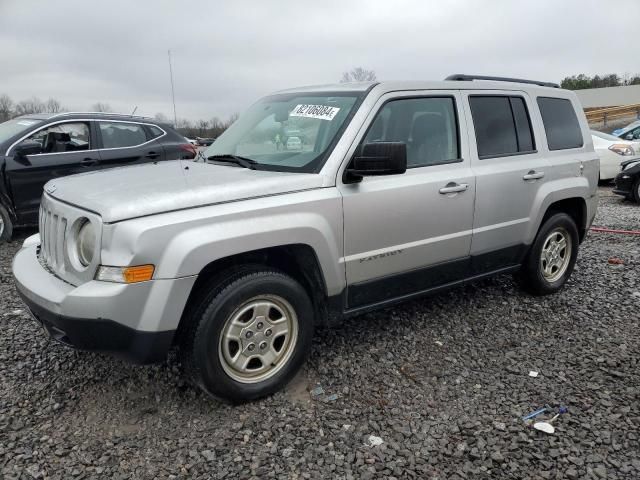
(229, 158)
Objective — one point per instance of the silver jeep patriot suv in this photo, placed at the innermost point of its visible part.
(318, 203)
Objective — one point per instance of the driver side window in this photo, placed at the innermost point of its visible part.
(64, 137)
(428, 126)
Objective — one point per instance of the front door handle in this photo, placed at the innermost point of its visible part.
(453, 187)
(533, 175)
(152, 155)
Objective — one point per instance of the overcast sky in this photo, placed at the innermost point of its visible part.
(227, 54)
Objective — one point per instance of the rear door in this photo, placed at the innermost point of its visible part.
(67, 148)
(509, 173)
(405, 234)
(125, 143)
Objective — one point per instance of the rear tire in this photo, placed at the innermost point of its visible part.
(552, 256)
(248, 334)
(6, 226)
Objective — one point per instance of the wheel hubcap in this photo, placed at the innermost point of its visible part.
(258, 339)
(555, 255)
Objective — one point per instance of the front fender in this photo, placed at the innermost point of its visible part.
(182, 243)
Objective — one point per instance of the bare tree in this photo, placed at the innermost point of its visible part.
(232, 119)
(359, 74)
(6, 108)
(202, 126)
(32, 105)
(101, 107)
(160, 117)
(53, 106)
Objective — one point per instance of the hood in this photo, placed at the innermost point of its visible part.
(128, 192)
(630, 163)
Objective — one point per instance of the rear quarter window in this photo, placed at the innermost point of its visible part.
(560, 123)
(155, 132)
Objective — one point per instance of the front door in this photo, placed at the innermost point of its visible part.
(406, 234)
(67, 148)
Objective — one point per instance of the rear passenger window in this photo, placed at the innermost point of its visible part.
(502, 125)
(560, 123)
(523, 125)
(120, 134)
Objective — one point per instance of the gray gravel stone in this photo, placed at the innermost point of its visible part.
(65, 413)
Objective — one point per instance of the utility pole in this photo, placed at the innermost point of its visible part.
(173, 94)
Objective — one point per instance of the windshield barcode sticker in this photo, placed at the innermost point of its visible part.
(321, 112)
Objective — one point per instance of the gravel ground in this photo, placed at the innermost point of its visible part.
(443, 382)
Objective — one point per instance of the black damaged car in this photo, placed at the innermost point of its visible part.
(39, 147)
(628, 180)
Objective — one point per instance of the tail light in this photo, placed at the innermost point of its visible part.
(191, 149)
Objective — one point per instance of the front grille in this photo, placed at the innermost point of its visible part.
(53, 231)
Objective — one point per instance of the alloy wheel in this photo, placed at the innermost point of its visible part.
(258, 339)
(556, 255)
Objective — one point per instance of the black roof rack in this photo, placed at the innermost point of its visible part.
(462, 77)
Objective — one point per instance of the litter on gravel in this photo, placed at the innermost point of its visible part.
(374, 441)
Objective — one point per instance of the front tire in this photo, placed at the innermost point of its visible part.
(248, 334)
(636, 191)
(6, 226)
(552, 256)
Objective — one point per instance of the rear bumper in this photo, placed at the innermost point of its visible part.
(136, 322)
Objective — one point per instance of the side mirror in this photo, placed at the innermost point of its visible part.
(378, 158)
(26, 148)
(629, 136)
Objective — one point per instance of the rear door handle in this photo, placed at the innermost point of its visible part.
(453, 187)
(88, 162)
(152, 155)
(533, 175)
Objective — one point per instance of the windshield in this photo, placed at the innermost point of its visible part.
(288, 132)
(11, 128)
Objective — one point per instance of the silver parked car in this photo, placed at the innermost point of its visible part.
(399, 190)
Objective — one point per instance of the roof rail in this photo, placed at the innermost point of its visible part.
(62, 114)
(463, 77)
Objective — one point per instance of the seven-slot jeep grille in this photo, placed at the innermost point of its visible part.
(53, 229)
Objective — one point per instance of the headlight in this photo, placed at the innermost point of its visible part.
(622, 149)
(86, 243)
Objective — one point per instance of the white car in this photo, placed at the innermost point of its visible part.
(612, 151)
(294, 143)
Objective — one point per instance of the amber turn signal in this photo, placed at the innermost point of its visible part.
(139, 273)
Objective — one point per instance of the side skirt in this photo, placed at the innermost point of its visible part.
(399, 287)
(427, 292)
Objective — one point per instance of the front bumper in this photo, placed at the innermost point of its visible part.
(136, 322)
(624, 184)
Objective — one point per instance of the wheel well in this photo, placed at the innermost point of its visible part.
(576, 208)
(299, 261)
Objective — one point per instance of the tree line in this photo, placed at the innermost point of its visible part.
(582, 81)
(200, 128)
